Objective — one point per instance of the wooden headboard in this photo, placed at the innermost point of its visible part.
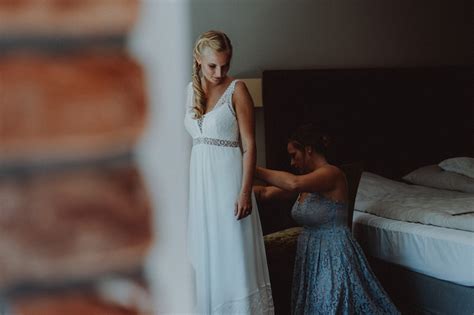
(393, 120)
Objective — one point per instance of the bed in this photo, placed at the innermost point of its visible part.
(394, 120)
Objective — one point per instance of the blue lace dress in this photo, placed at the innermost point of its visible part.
(331, 274)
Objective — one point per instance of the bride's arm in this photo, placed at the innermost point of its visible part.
(245, 117)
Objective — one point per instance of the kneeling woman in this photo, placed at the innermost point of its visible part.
(331, 274)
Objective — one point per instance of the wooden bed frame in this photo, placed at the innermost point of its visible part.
(393, 120)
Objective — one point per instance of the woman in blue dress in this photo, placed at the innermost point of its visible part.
(331, 273)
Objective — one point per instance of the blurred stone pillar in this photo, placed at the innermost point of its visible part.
(74, 216)
(162, 43)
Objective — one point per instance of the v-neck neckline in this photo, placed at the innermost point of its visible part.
(219, 99)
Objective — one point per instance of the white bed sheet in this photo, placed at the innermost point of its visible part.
(413, 203)
(442, 253)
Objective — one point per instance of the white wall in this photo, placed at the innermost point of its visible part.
(270, 34)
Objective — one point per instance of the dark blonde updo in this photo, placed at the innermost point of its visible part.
(218, 42)
(310, 135)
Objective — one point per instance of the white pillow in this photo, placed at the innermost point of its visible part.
(461, 165)
(436, 177)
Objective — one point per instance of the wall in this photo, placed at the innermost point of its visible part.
(160, 42)
(283, 34)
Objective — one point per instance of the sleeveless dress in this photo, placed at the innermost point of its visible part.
(227, 255)
(331, 274)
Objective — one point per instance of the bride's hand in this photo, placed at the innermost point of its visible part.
(243, 206)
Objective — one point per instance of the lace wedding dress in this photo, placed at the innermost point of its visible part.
(227, 255)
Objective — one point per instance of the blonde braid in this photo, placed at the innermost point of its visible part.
(217, 41)
(199, 95)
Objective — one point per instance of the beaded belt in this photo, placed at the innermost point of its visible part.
(217, 142)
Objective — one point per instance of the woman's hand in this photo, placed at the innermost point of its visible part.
(243, 206)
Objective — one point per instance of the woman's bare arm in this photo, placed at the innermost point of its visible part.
(245, 117)
(322, 179)
(272, 193)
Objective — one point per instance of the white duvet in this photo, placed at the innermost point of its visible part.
(412, 203)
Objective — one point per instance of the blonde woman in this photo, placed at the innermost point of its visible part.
(226, 246)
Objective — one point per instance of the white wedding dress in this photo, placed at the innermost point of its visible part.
(227, 255)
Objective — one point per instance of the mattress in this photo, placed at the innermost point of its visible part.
(442, 253)
(413, 203)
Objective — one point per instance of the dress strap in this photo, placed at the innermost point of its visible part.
(230, 91)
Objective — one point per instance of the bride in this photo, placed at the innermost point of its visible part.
(225, 242)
